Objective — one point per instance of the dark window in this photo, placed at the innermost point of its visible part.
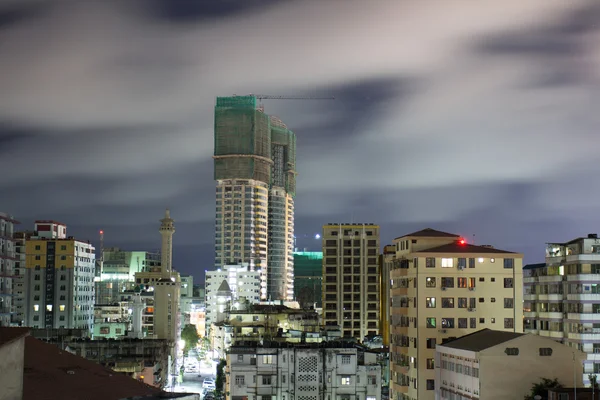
(508, 283)
(509, 263)
(512, 351)
(431, 342)
(430, 384)
(545, 351)
(430, 262)
(508, 302)
(471, 263)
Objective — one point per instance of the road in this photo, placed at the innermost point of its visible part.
(192, 381)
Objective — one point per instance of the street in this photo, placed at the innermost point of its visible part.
(192, 381)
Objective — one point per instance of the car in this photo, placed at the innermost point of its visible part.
(208, 383)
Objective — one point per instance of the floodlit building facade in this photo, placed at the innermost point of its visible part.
(255, 162)
(302, 372)
(59, 279)
(308, 278)
(351, 278)
(498, 365)
(442, 288)
(243, 282)
(562, 297)
(7, 268)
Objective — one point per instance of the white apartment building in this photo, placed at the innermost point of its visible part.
(59, 279)
(562, 297)
(302, 372)
(499, 365)
(243, 282)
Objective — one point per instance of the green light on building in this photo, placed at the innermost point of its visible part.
(308, 277)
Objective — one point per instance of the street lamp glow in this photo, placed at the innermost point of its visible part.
(317, 236)
(181, 343)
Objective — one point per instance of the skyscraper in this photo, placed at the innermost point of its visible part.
(255, 160)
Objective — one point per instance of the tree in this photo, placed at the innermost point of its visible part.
(541, 388)
(594, 381)
(220, 376)
(190, 335)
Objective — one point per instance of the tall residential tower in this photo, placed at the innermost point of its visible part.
(255, 161)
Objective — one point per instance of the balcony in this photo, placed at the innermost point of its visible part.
(530, 297)
(593, 334)
(532, 331)
(584, 317)
(587, 296)
(550, 315)
(552, 334)
(555, 260)
(584, 258)
(530, 314)
(543, 279)
(550, 297)
(583, 278)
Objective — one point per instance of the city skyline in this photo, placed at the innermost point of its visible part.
(459, 130)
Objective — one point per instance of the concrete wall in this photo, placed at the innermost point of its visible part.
(11, 370)
(510, 377)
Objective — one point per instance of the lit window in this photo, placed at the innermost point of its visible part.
(447, 262)
(480, 260)
(36, 307)
(345, 380)
(61, 307)
(49, 307)
(267, 359)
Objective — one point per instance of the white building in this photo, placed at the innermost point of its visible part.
(498, 365)
(243, 282)
(307, 372)
(59, 279)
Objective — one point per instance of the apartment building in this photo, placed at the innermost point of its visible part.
(7, 268)
(386, 261)
(499, 365)
(443, 288)
(303, 372)
(242, 280)
(351, 278)
(562, 297)
(59, 279)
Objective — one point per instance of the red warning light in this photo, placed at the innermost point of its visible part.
(462, 241)
(102, 232)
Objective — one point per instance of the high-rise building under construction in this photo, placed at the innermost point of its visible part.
(255, 162)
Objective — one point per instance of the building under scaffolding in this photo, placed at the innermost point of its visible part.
(255, 161)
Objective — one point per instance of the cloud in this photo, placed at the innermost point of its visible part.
(107, 108)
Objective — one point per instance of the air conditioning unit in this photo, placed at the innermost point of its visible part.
(472, 289)
(460, 267)
(443, 330)
(470, 309)
(444, 288)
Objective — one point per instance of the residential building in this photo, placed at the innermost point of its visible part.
(187, 294)
(302, 371)
(59, 279)
(562, 297)
(386, 261)
(34, 370)
(243, 282)
(351, 278)
(442, 288)
(262, 322)
(7, 268)
(119, 268)
(498, 365)
(308, 278)
(19, 284)
(255, 160)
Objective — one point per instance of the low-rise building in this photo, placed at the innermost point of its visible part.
(302, 371)
(498, 365)
(7, 268)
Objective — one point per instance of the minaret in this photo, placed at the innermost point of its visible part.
(167, 229)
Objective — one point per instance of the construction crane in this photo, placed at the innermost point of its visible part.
(270, 97)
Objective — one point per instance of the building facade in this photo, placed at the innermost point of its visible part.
(386, 261)
(498, 365)
(562, 297)
(243, 282)
(308, 278)
(442, 288)
(351, 279)
(302, 372)
(255, 159)
(19, 284)
(7, 269)
(59, 279)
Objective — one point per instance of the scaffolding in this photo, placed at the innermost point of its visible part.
(242, 140)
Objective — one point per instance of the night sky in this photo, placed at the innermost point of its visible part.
(472, 117)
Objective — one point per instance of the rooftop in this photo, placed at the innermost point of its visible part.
(464, 248)
(49, 370)
(481, 340)
(534, 266)
(8, 335)
(432, 233)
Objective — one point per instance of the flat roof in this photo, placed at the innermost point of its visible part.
(481, 340)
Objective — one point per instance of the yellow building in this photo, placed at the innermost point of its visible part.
(385, 266)
(351, 279)
(443, 288)
(59, 279)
